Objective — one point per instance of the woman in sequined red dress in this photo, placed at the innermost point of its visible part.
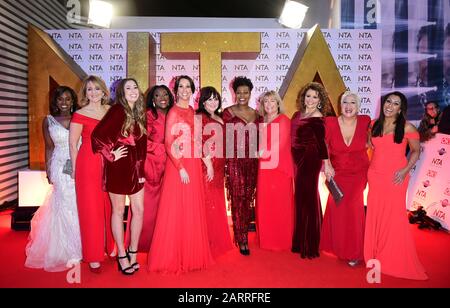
(241, 168)
(209, 106)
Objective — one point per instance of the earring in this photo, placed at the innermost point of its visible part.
(319, 105)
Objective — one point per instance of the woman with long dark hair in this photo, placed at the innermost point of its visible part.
(180, 240)
(121, 139)
(159, 102)
(387, 233)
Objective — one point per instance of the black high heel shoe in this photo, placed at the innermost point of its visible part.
(244, 251)
(124, 270)
(135, 265)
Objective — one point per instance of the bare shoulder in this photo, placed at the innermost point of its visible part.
(410, 128)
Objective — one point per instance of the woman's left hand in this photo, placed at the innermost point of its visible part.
(399, 176)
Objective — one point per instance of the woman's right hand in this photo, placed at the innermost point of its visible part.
(120, 152)
(184, 176)
(329, 171)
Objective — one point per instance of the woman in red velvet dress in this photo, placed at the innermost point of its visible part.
(159, 101)
(241, 168)
(94, 207)
(121, 139)
(346, 138)
(275, 190)
(180, 240)
(387, 235)
(308, 152)
(209, 106)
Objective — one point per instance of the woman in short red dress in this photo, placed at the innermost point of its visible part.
(121, 139)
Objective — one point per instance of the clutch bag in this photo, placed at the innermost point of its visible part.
(335, 191)
(68, 167)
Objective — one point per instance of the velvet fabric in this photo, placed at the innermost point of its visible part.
(308, 151)
(120, 176)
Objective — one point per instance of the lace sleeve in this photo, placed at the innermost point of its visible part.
(172, 141)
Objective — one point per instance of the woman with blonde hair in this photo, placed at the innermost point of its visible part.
(346, 138)
(274, 190)
(94, 208)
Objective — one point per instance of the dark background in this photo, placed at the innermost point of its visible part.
(194, 8)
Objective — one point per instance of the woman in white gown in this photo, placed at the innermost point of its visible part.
(54, 242)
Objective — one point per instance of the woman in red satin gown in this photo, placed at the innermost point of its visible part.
(387, 235)
(242, 168)
(308, 152)
(209, 105)
(121, 139)
(180, 240)
(159, 101)
(94, 207)
(343, 223)
(275, 190)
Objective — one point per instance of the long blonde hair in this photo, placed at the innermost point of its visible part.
(98, 82)
(137, 114)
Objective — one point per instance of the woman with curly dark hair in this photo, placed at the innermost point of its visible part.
(241, 168)
(308, 152)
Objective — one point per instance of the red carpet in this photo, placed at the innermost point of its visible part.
(262, 269)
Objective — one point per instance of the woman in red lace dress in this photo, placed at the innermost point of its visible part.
(180, 240)
(241, 166)
(308, 152)
(94, 207)
(346, 138)
(209, 106)
(121, 139)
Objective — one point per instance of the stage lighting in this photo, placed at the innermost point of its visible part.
(293, 14)
(100, 13)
